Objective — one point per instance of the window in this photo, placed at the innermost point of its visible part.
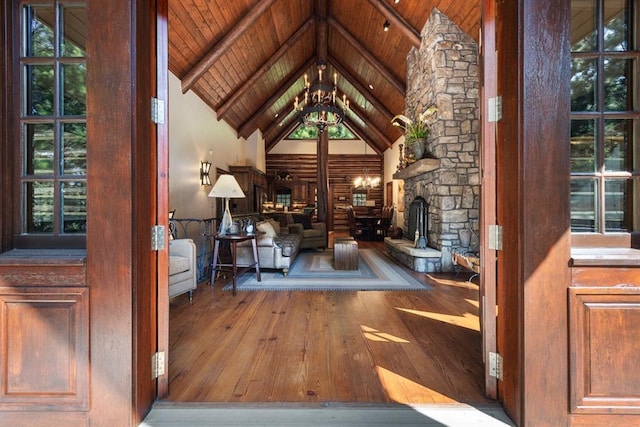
(604, 117)
(359, 198)
(283, 199)
(52, 124)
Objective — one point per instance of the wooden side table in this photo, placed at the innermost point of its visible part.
(236, 270)
(345, 254)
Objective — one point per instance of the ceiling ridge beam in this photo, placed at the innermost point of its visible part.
(224, 107)
(217, 50)
(397, 20)
(377, 65)
(273, 98)
(353, 81)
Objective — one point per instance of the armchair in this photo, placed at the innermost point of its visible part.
(314, 234)
(182, 267)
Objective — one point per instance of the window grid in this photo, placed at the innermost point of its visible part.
(53, 118)
(604, 119)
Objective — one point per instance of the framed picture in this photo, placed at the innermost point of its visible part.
(342, 198)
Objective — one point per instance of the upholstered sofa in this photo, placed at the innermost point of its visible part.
(183, 275)
(277, 246)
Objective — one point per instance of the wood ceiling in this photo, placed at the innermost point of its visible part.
(246, 58)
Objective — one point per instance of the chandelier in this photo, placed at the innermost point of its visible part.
(319, 107)
(366, 181)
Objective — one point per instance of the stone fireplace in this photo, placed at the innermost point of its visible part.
(443, 72)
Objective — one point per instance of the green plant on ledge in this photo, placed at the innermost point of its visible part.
(416, 131)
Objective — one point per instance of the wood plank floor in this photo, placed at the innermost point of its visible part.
(409, 347)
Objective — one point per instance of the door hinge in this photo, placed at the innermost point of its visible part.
(495, 237)
(495, 365)
(157, 237)
(494, 109)
(157, 111)
(157, 365)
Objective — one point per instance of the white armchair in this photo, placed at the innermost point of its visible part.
(183, 276)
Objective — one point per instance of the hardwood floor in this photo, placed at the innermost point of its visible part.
(408, 347)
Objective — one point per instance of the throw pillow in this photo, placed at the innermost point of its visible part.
(267, 229)
(275, 224)
(305, 220)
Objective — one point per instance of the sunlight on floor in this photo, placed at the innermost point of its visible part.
(403, 390)
(467, 320)
(375, 335)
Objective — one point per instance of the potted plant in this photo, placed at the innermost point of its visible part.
(416, 131)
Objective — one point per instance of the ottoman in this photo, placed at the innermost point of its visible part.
(345, 254)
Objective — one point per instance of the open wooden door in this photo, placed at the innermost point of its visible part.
(162, 192)
(488, 96)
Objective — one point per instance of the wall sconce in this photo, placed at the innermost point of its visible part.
(205, 167)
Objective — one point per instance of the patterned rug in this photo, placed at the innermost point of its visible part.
(313, 271)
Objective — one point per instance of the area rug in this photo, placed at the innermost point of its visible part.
(313, 271)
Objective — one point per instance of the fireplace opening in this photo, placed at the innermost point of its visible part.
(418, 227)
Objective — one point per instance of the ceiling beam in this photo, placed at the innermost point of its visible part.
(368, 125)
(239, 92)
(397, 21)
(283, 132)
(217, 50)
(353, 81)
(322, 29)
(362, 50)
(250, 123)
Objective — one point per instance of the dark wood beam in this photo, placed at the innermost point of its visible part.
(269, 144)
(360, 114)
(249, 125)
(397, 21)
(322, 29)
(239, 92)
(353, 81)
(362, 50)
(217, 50)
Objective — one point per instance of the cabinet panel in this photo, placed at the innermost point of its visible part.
(45, 351)
(604, 329)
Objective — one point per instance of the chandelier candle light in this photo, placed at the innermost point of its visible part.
(319, 107)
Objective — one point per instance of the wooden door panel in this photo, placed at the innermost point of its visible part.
(45, 351)
(604, 326)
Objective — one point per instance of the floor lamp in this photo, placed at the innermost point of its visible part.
(226, 187)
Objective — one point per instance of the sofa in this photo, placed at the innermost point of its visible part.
(183, 275)
(277, 246)
(314, 234)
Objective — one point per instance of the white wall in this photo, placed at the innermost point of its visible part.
(195, 134)
(289, 146)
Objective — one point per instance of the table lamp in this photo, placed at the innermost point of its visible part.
(226, 187)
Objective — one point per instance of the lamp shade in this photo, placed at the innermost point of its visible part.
(226, 186)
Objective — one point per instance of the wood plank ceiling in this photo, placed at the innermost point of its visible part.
(246, 58)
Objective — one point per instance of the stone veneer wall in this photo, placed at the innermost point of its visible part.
(444, 72)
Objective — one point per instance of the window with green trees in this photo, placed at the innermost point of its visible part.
(53, 132)
(604, 116)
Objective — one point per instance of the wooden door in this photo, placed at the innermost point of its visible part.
(161, 151)
(488, 193)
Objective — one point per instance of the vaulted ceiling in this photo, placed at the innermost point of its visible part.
(246, 58)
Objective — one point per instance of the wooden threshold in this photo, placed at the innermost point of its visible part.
(407, 347)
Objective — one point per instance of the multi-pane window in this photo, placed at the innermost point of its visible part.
(53, 131)
(604, 116)
(359, 198)
(283, 199)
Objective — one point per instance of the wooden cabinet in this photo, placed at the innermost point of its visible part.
(299, 193)
(254, 184)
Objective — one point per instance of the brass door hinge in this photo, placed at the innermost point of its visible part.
(157, 365)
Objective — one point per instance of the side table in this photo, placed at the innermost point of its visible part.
(236, 270)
